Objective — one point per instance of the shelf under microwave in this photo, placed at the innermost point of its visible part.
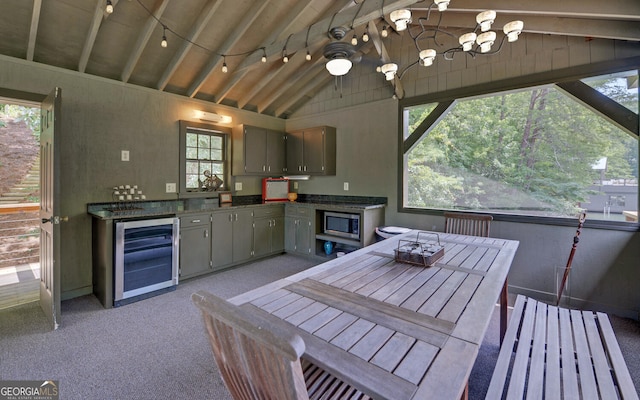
(338, 239)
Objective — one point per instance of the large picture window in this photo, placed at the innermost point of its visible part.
(536, 152)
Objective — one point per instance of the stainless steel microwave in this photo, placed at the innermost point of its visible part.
(342, 224)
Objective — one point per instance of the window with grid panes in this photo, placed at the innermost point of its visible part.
(204, 157)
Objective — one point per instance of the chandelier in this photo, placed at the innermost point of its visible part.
(480, 41)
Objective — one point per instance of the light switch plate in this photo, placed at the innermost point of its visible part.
(124, 155)
(346, 186)
(170, 188)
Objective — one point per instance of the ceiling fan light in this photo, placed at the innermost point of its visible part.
(442, 4)
(401, 18)
(486, 40)
(338, 66)
(427, 56)
(389, 70)
(485, 19)
(513, 30)
(467, 40)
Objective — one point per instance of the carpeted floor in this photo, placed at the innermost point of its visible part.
(157, 349)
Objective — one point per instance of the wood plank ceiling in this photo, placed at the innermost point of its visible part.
(203, 35)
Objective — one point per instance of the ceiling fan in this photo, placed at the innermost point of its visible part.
(340, 54)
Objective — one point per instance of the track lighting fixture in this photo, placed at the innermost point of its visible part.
(109, 8)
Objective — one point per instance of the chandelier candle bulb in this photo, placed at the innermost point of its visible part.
(486, 40)
(427, 56)
(401, 18)
(513, 30)
(467, 40)
(485, 19)
(442, 4)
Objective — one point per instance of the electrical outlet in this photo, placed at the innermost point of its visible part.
(124, 155)
(346, 186)
(170, 188)
(238, 186)
(295, 185)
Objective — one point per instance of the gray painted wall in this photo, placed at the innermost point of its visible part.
(100, 118)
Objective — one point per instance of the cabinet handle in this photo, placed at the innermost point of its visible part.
(230, 217)
(206, 233)
(305, 168)
(263, 168)
(274, 222)
(195, 221)
(299, 168)
(236, 217)
(269, 168)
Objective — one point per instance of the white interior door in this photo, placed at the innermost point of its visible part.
(49, 209)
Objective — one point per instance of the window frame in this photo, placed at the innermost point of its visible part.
(445, 99)
(212, 129)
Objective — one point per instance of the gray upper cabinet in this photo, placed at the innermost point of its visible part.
(312, 151)
(258, 151)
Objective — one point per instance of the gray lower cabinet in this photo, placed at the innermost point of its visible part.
(268, 230)
(299, 229)
(232, 234)
(195, 245)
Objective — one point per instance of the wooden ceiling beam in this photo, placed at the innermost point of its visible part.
(370, 10)
(315, 80)
(33, 30)
(285, 26)
(232, 39)
(201, 23)
(618, 10)
(297, 79)
(143, 39)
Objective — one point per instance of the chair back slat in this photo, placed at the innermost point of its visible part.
(257, 359)
(467, 224)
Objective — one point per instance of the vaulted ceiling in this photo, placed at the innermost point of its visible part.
(202, 35)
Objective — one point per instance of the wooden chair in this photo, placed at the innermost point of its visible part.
(467, 224)
(553, 352)
(259, 359)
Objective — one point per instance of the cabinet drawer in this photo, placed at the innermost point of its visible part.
(261, 212)
(194, 220)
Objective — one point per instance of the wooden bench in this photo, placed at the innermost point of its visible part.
(259, 359)
(553, 352)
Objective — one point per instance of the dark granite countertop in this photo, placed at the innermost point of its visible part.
(146, 209)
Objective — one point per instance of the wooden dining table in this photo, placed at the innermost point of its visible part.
(395, 330)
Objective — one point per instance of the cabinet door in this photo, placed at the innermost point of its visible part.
(195, 251)
(294, 152)
(222, 239)
(290, 234)
(303, 236)
(242, 234)
(262, 236)
(276, 152)
(313, 151)
(255, 150)
(277, 234)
